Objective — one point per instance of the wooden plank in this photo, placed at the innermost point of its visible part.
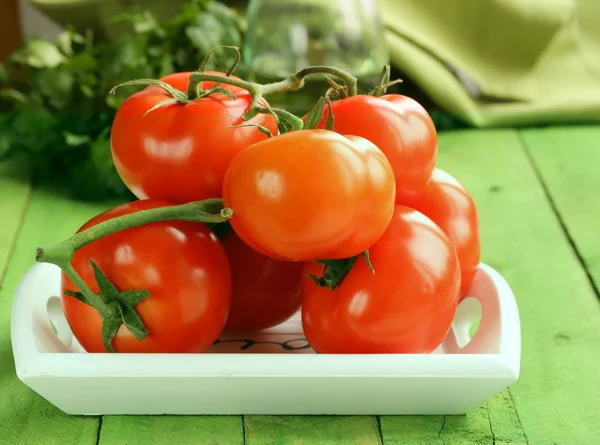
(311, 430)
(179, 430)
(495, 423)
(26, 418)
(556, 396)
(15, 190)
(412, 430)
(568, 161)
(504, 424)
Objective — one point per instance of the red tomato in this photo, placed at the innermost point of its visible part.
(181, 264)
(180, 152)
(310, 194)
(265, 292)
(400, 127)
(407, 307)
(451, 207)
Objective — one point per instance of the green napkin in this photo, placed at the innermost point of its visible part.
(501, 62)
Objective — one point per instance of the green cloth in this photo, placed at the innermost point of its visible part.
(500, 62)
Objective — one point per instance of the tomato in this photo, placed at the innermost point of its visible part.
(408, 305)
(450, 206)
(181, 264)
(400, 127)
(180, 152)
(265, 292)
(310, 194)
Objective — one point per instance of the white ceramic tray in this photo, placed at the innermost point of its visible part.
(274, 372)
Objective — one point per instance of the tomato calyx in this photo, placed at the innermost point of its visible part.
(118, 308)
(384, 82)
(262, 129)
(316, 114)
(334, 271)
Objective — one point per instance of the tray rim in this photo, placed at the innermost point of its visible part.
(33, 364)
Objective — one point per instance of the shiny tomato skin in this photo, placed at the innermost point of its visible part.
(181, 264)
(265, 292)
(400, 127)
(448, 203)
(180, 152)
(408, 305)
(310, 194)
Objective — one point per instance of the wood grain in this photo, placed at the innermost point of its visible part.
(15, 189)
(176, 430)
(311, 430)
(568, 162)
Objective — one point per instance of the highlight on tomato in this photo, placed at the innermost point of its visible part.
(448, 203)
(407, 306)
(310, 194)
(265, 292)
(166, 285)
(168, 143)
(400, 127)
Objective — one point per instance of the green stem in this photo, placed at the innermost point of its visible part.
(61, 254)
(207, 211)
(258, 91)
(195, 91)
(384, 82)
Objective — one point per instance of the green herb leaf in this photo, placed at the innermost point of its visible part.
(76, 140)
(13, 96)
(39, 53)
(4, 77)
(5, 144)
(66, 39)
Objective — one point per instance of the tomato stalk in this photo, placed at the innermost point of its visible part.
(384, 82)
(118, 307)
(292, 83)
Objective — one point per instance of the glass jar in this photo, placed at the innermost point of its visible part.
(285, 36)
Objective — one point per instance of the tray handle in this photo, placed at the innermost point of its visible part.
(36, 301)
(499, 329)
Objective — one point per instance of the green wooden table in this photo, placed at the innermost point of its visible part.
(538, 193)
